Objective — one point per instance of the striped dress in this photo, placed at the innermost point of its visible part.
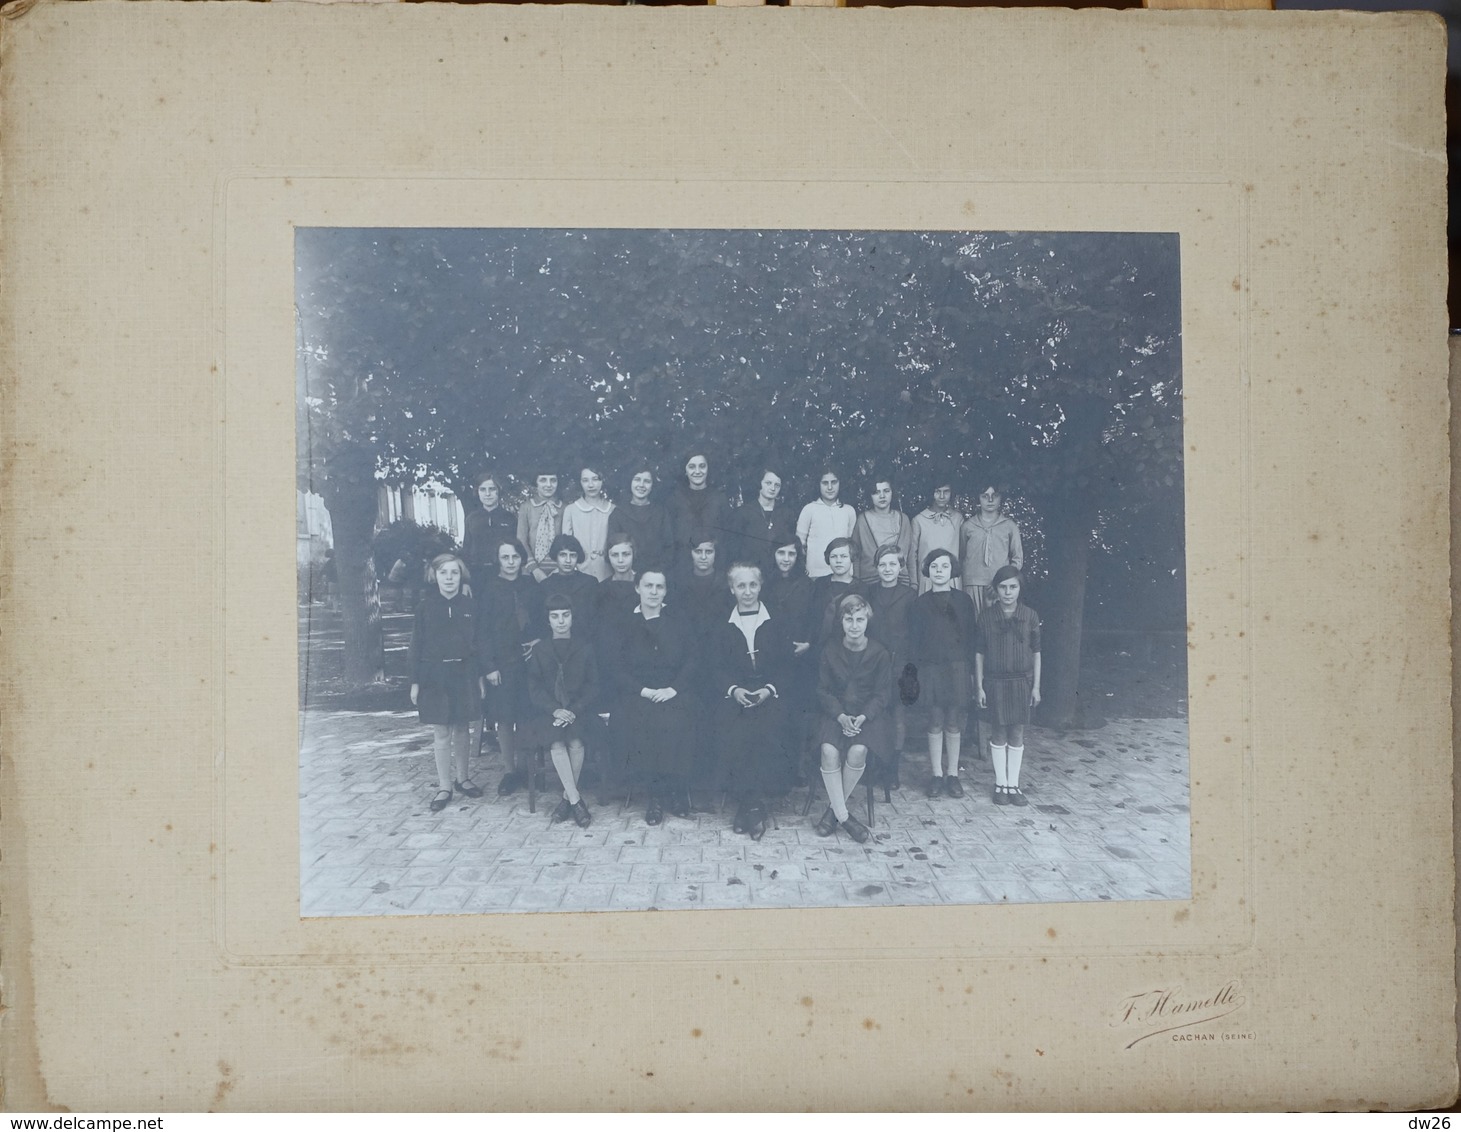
(1008, 645)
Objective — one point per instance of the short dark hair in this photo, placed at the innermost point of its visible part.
(835, 544)
(933, 555)
(522, 551)
(565, 542)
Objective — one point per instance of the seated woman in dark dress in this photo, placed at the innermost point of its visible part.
(653, 670)
(750, 663)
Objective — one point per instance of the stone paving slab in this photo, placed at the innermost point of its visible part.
(1108, 820)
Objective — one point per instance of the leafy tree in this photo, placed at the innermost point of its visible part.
(1049, 360)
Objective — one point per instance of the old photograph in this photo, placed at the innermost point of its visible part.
(682, 569)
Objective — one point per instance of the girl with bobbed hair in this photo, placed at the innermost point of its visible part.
(587, 519)
(882, 524)
(824, 519)
(695, 505)
(446, 683)
(763, 522)
(486, 524)
(853, 685)
(941, 640)
(563, 692)
(512, 625)
(642, 517)
(936, 527)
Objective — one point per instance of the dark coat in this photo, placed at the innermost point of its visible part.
(583, 591)
(510, 615)
(856, 683)
(889, 623)
(755, 534)
(572, 683)
(485, 532)
(649, 527)
(443, 659)
(692, 511)
(823, 624)
(655, 739)
(752, 743)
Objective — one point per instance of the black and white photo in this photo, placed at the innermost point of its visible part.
(676, 569)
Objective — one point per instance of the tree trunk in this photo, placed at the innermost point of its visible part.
(352, 507)
(1068, 539)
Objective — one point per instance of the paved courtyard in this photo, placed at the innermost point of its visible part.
(1107, 820)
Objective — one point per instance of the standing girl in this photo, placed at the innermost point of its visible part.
(446, 685)
(829, 590)
(1007, 680)
(567, 579)
(563, 688)
(892, 602)
(512, 625)
(822, 520)
(761, 524)
(941, 640)
(696, 507)
(540, 521)
(587, 519)
(991, 541)
(642, 519)
(936, 527)
(616, 594)
(486, 525)
(881, 525)
(853, 685)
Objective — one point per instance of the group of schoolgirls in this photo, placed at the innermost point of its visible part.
(722, 641)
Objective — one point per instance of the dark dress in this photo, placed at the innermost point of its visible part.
(654, 739)
(561, 674)
(791, 597)
(613, 601)
(694, 511)
(704, 599)
(823, 623)
(889, 623)
(649, 527)
(757, 533)
(443, 660)
(485, 532)
(753, 750)
(1009, 645)
(856, 683)
(941, 642)
(511, 614)
(583, 591)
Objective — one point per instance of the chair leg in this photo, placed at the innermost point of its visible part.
(871, 794)
(534, 764)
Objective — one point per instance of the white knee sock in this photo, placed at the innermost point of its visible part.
(1017, 754)
(835, 797)
(563, 764)
(460, 744)
(936, 752)
(851, 775)
(441, 745)
(952, 739)
(996, 756)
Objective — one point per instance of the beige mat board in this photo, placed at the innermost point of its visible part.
(156, 158)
